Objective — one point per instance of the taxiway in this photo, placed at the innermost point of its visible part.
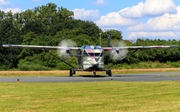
(159, 76)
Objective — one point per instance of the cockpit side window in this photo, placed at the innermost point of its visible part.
(102, 54)
(85, 54)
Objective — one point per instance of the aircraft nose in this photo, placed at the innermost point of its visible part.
(97, 59)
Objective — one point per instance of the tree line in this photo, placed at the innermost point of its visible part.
(47, 24)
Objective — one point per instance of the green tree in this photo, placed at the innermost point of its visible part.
(9, 33)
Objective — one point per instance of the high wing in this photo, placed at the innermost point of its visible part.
(77, 48)
(139, 47)
(40, 47)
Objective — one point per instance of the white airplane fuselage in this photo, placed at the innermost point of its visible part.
(92, 58)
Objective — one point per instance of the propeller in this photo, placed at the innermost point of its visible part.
(117, 53)
(65, 52)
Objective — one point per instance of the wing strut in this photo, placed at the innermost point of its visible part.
(121, 60)
(59, 58)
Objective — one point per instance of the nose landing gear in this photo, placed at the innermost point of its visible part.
(94, 73)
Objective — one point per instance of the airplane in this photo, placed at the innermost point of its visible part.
(90, 57)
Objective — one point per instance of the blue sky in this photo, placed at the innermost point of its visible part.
(152, 19)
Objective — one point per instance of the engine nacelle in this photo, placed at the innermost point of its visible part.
(117, 50)
(118, 54)
(68, 50)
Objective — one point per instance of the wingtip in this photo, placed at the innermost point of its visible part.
(174, 46)
(6, 45)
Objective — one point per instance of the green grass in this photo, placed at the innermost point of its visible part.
(109, 96)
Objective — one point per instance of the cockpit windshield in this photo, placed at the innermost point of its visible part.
(93, 54)
(95, 51)
(97, 54)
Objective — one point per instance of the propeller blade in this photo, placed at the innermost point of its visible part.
(117, 53)
(65, 51)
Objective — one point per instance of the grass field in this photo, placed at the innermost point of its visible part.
(109, 96)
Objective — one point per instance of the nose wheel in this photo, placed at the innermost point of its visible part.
(94, 73)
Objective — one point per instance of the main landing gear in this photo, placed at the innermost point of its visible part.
(109, 73)
(71, 72)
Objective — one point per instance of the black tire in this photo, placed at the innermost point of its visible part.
(109, 73)
(74, 71)
(94, 73)
(71, 73)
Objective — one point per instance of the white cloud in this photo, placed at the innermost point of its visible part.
(133, 12)
(114, 19)
(177, 27)
(165, 26)
(153, 35)
(2, 3)
(149, 8)
(13, 10)
(86, 14)
(7, 9)
(166, 22)
(159, 7)
(100, 2)
(141, 34)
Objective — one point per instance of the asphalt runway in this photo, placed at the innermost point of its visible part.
(160, 76)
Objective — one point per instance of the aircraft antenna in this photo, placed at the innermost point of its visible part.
(62, 38)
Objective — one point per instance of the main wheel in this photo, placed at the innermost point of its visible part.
(74, 71)
(71, 73)
(109, 73)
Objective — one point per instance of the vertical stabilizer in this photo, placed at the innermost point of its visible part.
(109, 40)
(62, 38)
(109, 45)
